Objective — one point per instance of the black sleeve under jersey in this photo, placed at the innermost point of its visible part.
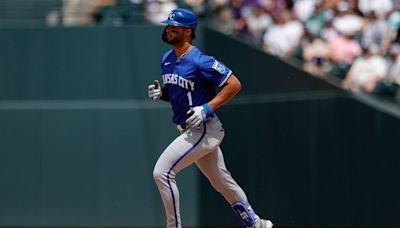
(164, 95)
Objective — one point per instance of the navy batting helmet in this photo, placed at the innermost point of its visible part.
(183, 18)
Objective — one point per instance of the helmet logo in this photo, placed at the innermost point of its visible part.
(171, 16)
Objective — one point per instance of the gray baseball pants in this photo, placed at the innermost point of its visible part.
(200, 146)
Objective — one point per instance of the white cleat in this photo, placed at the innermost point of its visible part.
(264, 223)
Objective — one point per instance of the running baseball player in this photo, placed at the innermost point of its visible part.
(190, 79)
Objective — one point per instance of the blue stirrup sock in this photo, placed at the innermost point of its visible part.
(246, 213)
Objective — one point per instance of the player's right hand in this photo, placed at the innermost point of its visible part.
(155, 92)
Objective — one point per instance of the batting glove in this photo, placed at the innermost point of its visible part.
(199, 114)
(155, 92)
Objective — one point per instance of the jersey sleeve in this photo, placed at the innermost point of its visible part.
(213, 70)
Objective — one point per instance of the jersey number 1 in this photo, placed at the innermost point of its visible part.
(189, 95)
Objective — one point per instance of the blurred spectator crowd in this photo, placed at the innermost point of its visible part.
(114, 12)
(356, 41)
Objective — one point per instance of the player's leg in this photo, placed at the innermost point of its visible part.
(213, 167)
(170, 162)
(183, 151)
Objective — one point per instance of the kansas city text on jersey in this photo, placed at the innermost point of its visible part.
(178, 80)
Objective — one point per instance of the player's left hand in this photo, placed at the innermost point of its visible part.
(199, 114)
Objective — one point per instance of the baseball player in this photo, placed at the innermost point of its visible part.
(190, 79)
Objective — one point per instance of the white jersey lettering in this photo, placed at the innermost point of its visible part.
(178, 80)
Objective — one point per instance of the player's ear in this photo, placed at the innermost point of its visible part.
(188, 31)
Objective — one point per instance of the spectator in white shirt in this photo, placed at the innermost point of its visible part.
(303, 9)
(258, 22)
(379, 7)
(376, 31)
(283, 37)
(366, 71)
(157, 10)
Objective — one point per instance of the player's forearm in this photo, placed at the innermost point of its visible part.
(228, 91)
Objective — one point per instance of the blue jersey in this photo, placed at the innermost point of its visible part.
(191, 80)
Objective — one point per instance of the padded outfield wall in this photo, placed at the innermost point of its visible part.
(79, 139)
(307, 153)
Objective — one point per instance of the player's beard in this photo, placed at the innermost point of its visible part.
(176, 37)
